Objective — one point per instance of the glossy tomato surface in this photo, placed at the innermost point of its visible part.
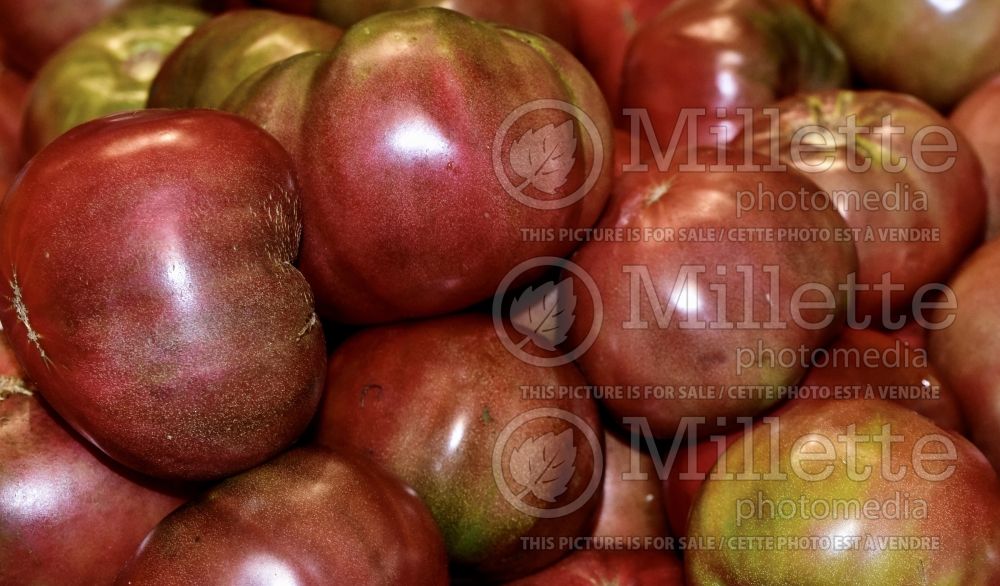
(106, 70)
(978, 118)
(445, 406)
(552, 18)
(806, 500)
(422, 164)
(687, 291)
(604, 29)
(228, 49)
(68, 514)
(307, 517)
(889, 43)
(906, 181)
(148, 260)
(965, 352)
(702, 64)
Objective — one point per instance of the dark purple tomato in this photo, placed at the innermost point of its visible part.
(147, 260)
(699, 56)
(965, 352)
(416, 193)
(68, 514)
(907, 183)
(699, 296)
(978, 118)
(228, 49)
(445, 406)
(309, 517)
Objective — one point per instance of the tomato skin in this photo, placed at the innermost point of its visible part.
(430, 401)
(223, 52)
(13, 99)
(704, 55)
(976, 116)
(604, 29)
(682, 360)
(149, 259)
(955, 506)
(901, 363)
(629, 508)
(886, 43)
(427, 94)
(552, 18)
(106, 70)
(68, 514)
(306, 516)
(964, 352)
(947, 199)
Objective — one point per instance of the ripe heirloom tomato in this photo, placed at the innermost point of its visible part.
(702, 55)
(307, 517)
(106, 70)
(604, 28)
(147, 260)
(442, 404)
(68, 514)
(703, 288)
(888, 43)
(401, 146)
(847, 492)
(978, 117)
(965, 351)
(552, 18)
(902, 170)
(223, 52)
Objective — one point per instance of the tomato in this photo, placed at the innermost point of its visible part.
(630, 507)
(887, 43)
(604, 28)
(699, 56)
(223, 52)
(68, 514)
(686, 477)
(13, 98)
(106, 70)
(908, 184)
(148, 258)
(393, 136)
(552, 18)
(304, 518)
(845, 489)
(500, 462)
(689, 286)
(978, 119)
(873, 364)
(964, 352)
(33, 31)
